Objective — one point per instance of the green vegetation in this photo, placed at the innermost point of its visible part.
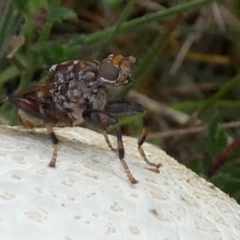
(187, 73)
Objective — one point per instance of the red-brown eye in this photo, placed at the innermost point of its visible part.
(108, 71)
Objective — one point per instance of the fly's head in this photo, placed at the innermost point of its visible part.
(116, 69)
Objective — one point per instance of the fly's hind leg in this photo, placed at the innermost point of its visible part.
(55, 142)
(124, 108)
(31, 115)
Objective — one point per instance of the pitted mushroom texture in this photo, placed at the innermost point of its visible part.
(88, 197)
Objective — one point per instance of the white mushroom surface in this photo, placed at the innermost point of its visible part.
(88, 195)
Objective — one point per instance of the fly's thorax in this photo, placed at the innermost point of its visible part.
(74, 91)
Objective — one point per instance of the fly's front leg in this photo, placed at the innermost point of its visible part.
(142, 139)
(123, 108)
(103, 120)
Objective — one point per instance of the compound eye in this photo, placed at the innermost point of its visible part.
(108, 71)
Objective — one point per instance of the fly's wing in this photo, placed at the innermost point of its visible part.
(28, 100)
(38, 102)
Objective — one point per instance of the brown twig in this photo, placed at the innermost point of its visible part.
(161, 108)
(189, 131)
(222, 159)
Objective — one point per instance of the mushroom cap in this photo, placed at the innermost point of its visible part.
(88, 196)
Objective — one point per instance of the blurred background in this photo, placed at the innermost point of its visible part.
(186, 75)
